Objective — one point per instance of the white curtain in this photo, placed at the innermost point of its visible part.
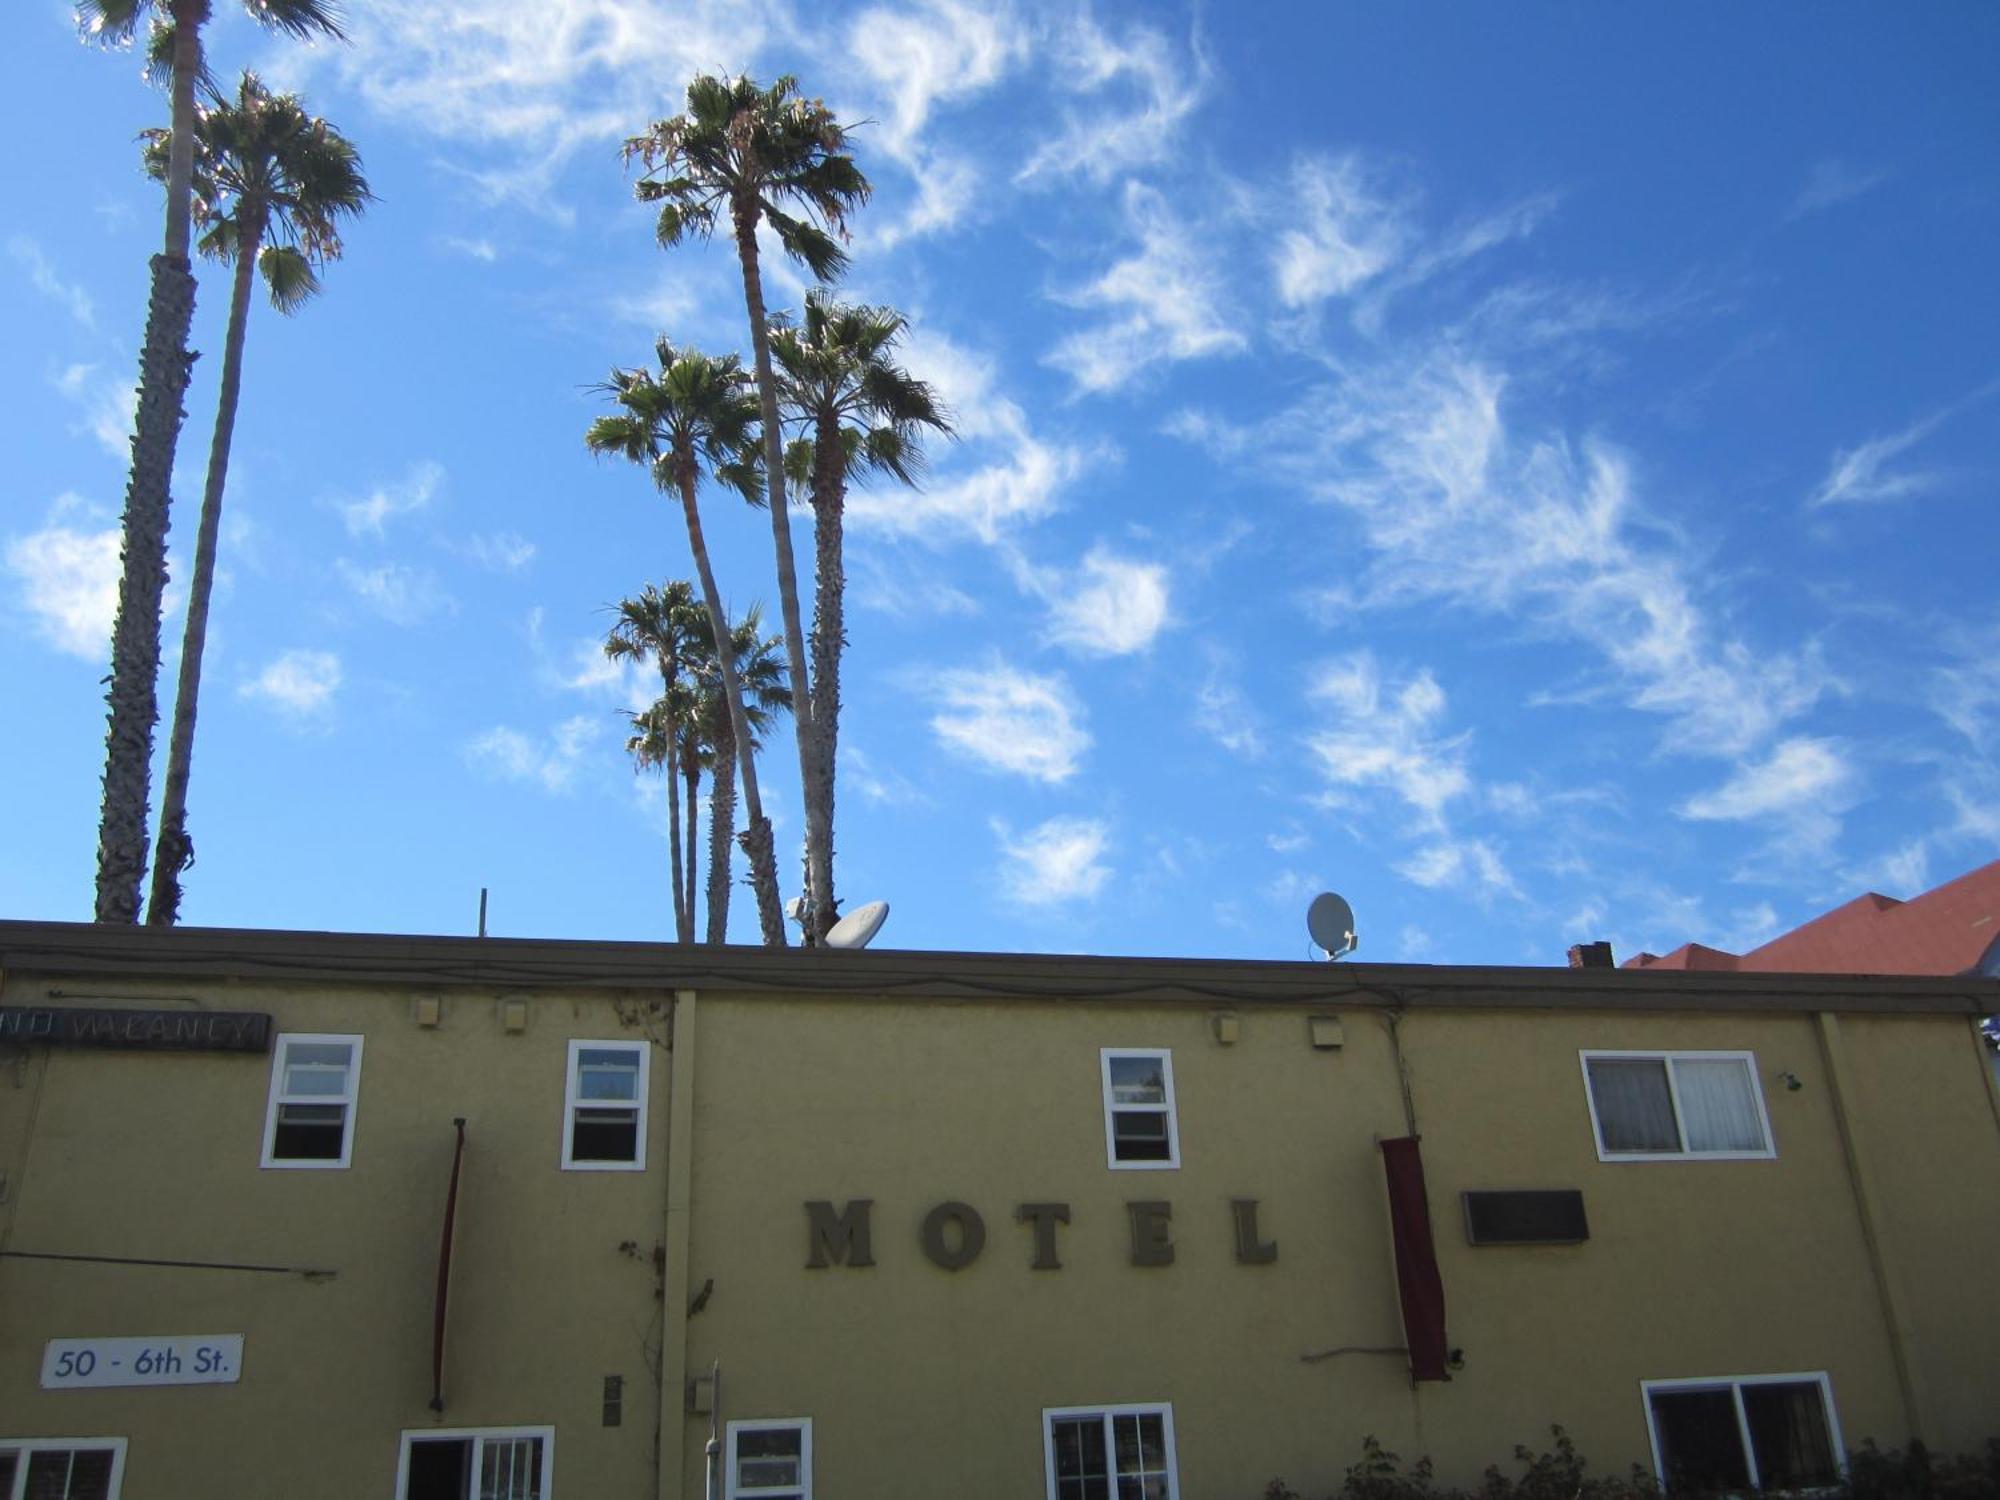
(1718, 1100)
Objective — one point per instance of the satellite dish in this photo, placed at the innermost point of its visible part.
(1330, 920)
(859, 926)
(796, 909)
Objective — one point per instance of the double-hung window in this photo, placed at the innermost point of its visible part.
(61, 1468)
(1676, 1106)
(1109, 1453)
(315, 1080)
(1139, 1126)
(770, 1459)
(604, 1107)
(477, 1463)
(1744, 1432)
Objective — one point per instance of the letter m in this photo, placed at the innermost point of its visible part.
(837, 1239)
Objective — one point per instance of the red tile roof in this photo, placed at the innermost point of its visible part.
(1943, 931)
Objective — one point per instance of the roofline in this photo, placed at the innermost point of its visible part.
(108, 951)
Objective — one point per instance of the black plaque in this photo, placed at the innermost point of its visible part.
(135, 1030)
(1540, 1217)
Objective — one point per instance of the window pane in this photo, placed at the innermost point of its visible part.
(1718, 1104)
(1788, 1430)
(607, 1073)
(1635, 1112)
(510, 1469)
(604, 1135)
(317, 1067)
(1701, 1447)
(1140, 1135)
(1080, 1460)
(66, 1474)
(309, 1132)
(1138, 1080)
(440, 1469)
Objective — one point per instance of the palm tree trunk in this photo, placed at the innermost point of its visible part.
(691, 769)
(174, 851)
(683, 889)
(757, 837)
(721, 829)
(829, 637)
(164, 368)
(815, 781)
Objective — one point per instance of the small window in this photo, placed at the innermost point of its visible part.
(770, 1459)
(604, 1107)
(314, 1082)
(1139, 1128)
(1756, 1432)
(477, 1463)
(1676, 1106)
(1110, 1453)
(61, 1468)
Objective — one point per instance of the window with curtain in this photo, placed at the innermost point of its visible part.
(490, 1463)
(1768, 1432)
(1110, 1453)
(1675, 1106)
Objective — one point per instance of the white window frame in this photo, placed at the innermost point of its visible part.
(24, 1447)
(1162, 1409)
(351, 1099)
(479, 1435)
(571, 1103)
(733, 1491)
(1172, 1111)
(1734, 1385)
(1668, 1056)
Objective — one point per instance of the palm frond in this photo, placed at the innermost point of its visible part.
(288, 276)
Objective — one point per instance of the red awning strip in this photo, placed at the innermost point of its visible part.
(1417, 1277)
(444, 1273)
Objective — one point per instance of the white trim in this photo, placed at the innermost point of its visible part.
(571, 1103)
(479, 1435)
(1734, 1385)
(26, 1446)
(1171, 1111)
(350, 1100)
(1668, 1055)
(1164, 1410)
(804, 1488)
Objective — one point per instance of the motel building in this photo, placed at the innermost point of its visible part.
(303, 1214)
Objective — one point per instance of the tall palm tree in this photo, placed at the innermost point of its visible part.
(765, 156)
(860, 412)
(271, 187)
(164, 368)
(760, 669)
(666, 627)
(698, 414)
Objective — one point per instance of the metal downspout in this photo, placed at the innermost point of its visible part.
(677, 1238)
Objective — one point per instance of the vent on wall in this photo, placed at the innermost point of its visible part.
(1526, 1217)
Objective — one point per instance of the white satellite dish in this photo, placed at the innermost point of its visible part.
(1330, 920)
(859, 926)
(796, 909)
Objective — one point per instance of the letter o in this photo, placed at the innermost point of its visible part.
(971, 1235)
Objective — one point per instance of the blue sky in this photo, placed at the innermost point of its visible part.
(1528, 468)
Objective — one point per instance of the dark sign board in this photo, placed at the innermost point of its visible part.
(135, 1030)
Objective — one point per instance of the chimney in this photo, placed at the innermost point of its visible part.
(1591, 956)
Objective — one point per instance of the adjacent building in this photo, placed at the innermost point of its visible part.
(333, 1215)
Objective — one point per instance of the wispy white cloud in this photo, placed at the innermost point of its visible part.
(1385, 735)
(501, 551)
(400, 593)
(68, 579)
(1799, 774)
(298, 683)
(108, 405)
(475, 249)
(1343, 231)
(1224, 714)
(370, 515)
(44, 277)
(1012, 721)
(1055, 861)
(1460, 864)
(1831, 182)
(1142, 92)
(549, 761)
(1165, 302)
(1109, 606)
(1861, 475)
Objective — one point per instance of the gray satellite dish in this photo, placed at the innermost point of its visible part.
(1330, 920)
(856, 928)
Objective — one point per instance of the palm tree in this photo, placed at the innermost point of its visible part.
(765, 156)
(164, 368)
(860, 412)
(761, 672)
(697, 414)
(271, 186)
(667, 628)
